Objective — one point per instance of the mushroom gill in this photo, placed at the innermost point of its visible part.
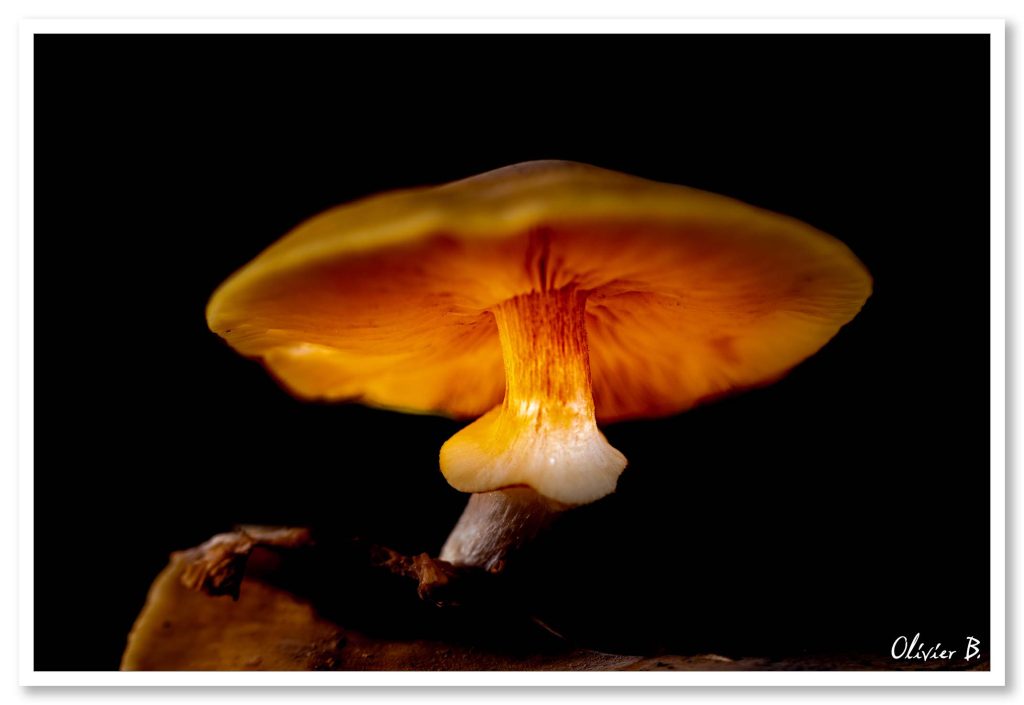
(638, 299)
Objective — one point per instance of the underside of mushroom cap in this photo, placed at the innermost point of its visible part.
(390, 301)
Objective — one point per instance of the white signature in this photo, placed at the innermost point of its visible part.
(909, 649)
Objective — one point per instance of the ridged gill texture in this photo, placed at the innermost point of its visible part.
(408, 300)
(544, 434)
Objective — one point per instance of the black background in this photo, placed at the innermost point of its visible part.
(838, 509)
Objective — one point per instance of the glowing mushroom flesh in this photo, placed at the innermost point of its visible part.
(540, 299)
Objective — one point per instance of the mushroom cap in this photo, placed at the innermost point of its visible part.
(690, 295)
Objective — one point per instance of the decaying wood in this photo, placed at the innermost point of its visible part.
(371, 608)
(263, 629)
(217, 566)
(433, 576)
(268, 628)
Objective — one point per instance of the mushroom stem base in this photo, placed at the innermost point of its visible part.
(497, 523)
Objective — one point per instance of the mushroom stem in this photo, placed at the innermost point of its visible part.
(495, 524)
(544, 435)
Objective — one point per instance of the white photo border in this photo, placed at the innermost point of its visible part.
(995, 29)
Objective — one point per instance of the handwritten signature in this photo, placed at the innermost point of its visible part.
(908, 649)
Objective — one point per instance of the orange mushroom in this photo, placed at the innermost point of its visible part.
(542, 298)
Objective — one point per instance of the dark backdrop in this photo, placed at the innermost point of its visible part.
(840, 508)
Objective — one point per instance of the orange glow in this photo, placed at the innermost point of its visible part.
(544, 434)
(541, 296)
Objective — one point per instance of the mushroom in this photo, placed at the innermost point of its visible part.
(539, 299)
